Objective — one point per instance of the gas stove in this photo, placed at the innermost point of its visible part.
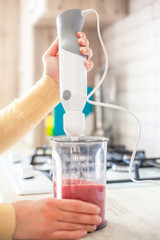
(34, 174)
(118, 160)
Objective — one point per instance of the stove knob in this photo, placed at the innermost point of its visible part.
(27, 171)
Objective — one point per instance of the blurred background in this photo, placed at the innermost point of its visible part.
(131, 32)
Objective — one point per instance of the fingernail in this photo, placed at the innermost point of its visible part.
(84, 232)
(99, 219)
(93, 228)
(97, 210)
(84, 50)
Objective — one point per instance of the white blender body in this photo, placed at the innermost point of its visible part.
(73, 74)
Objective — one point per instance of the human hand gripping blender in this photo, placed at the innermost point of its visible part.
(79, 163)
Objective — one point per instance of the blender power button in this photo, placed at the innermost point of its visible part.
(66, 95)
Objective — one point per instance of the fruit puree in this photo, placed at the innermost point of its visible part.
(84, 191)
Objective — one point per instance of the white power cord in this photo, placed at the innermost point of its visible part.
(85, 13)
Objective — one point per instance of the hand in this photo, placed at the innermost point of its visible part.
(51, 56)
(85, 50)
(54, 219)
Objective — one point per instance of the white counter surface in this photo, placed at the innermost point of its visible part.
(133, 213)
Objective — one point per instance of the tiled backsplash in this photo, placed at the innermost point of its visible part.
(133, 46)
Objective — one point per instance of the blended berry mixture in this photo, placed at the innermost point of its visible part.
(84, 191)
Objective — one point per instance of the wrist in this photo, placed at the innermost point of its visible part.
(51, 76)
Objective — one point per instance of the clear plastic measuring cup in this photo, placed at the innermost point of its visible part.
(79, 170)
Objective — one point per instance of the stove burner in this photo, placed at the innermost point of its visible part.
(42, 159)
(118, 160)
(120, 167)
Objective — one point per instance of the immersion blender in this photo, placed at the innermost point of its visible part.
(73, 74)
(79, 167)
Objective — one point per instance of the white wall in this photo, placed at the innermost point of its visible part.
(133, 46)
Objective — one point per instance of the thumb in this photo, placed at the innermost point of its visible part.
(53, 49)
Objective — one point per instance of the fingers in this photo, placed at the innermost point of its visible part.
(81, 35)
(83, 42)
(89, 65)
(69, 234)
(79, 218)
(87, 52)
(78, 206)
(72, 226)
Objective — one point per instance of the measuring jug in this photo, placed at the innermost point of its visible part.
(79, 170)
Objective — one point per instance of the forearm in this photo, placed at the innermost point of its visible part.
(17, 119)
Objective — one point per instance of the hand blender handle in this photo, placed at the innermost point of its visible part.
(72, 72)
(69, 23)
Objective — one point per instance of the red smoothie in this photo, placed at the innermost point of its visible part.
(84, 191)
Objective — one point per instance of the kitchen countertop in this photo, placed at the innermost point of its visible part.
(132, 213)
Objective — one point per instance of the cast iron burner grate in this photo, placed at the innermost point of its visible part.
(118, 159)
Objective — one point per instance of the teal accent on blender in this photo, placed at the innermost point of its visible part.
(58, 112)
